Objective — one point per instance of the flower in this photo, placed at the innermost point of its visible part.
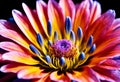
(62, 42)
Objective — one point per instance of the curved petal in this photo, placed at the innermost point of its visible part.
(25, 26)
(56, 17)
(108, 75)
(20, 57)
(116, 24)
(10, 46)
(31, 72)
(41, 8)
(101, 25)
(68, 8)
(95, 11)
(13, 35)
(82, 16)
(59, 78)
(86, 75)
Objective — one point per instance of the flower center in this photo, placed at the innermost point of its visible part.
(67, 53)
(63, 48)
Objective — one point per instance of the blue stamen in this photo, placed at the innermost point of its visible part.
(73, 81)
(39, 39)
(82, 56)
(79, 33)
(49, 43)
(62, 61)
(48, 59)
(49, 28)
(92, 49)
(90, 41)
(34, 49)
(72, 35)
(68, 24)
(55, 35)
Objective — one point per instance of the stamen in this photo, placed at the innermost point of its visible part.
(90, 41)
(68, 25)
(92, 49)
(82, 56)
(34, 49)
(79, 33)
(55, 35)
(48, 59)
(62, 61)
(49, 43)
(39, 39)
(72, 36)
(49, 28)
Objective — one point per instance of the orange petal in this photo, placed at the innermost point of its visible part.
(10, 46)
(12, 67)
(82, 16)
(42, 14)
(59, 78)
(31, 72)
(15, 37)
(55, 16)
(24, 25)
(85, 75)
(68, 8)
(95, 11)
(20, 57)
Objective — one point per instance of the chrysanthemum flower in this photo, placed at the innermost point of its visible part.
(62, 42)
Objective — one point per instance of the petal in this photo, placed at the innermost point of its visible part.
(42, 14)
(108, 75)
(15, 37)
(95, 11)
(111, 64)
(20, 57)
(86, 75)
(101, 25)
(10, 46)
(68, 8)
(82, 16)
(59, 78)
(31, 72)
(116, 24)
(56, 17)
(25, 26)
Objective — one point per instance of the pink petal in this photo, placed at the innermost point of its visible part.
(68, 8)
(31, 72)
(13, 35)
(10, 46)
(20, 57)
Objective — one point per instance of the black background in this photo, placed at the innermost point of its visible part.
(6, 6)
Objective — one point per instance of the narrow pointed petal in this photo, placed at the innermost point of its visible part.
(41, 8)
(31, 17)
(82, 16)
(15, 37)
(95, 11)
(20, 57)
(10, 46)
(55, 16)
(31, 72)
(24, 25)
(68, 8)
(55, 77)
